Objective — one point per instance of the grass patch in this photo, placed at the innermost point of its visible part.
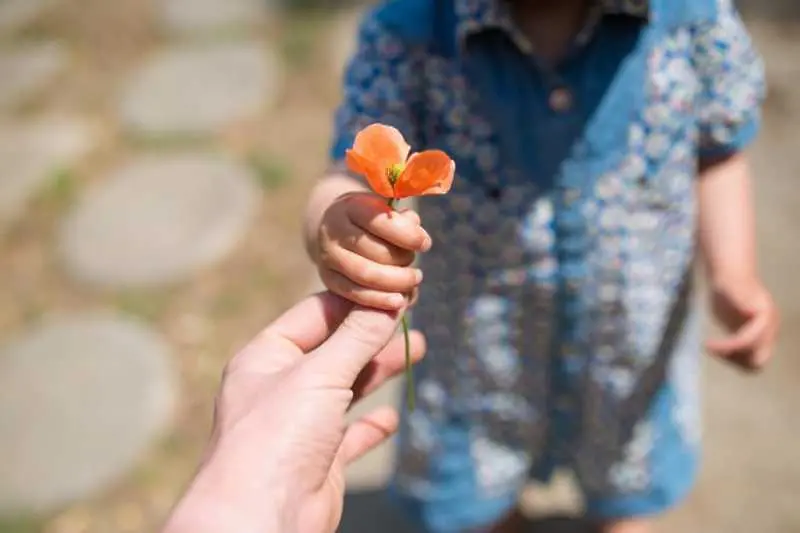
(61, 188)
(145, 305)
(21, 524)
(169, 142)
(299, 40)
(271, 172)
(228, 304)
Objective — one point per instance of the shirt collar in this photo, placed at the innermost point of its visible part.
(475, 16)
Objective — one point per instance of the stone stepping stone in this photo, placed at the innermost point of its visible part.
(81, 398)
(27, 70)
(32, 151)
(16, 14)
(204, 17)
(157, 220)
(195, 90)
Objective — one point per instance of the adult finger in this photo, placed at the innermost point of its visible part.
(346, 288)
(367, 433)
(364, 333)
(299, 330)
(389, 363)
(400, 229)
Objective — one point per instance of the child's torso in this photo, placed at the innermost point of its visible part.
(549, 158)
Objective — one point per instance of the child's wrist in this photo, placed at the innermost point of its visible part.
(727, 277)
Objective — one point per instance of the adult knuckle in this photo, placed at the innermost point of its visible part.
(367, 328)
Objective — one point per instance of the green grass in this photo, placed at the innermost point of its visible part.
(228, 304)
(61, 188)
(21, 525)
(169, 142)
(299, 41)
(145, 305)
(272, 172)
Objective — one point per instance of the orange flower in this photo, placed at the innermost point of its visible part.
(380, 154)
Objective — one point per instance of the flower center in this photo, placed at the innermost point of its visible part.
(393, 173)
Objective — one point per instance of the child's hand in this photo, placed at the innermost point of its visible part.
(746, 309)
(365, 251)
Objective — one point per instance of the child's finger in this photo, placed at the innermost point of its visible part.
(396, 228)
(388, 278)
(366, 297)
(411, 215)
(377, 250)
(745, 339)
(766, 348)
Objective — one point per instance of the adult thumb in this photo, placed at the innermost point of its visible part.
(360, 337)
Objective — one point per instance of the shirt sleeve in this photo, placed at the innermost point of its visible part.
(733, 84)
(381, 84)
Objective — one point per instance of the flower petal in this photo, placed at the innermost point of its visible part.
(382, 145)
(429, 172)
(376, 176)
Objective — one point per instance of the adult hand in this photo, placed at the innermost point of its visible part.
(280, 443)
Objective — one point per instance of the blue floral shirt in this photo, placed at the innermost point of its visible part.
(558, 301)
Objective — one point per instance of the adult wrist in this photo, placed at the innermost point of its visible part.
(220, 500)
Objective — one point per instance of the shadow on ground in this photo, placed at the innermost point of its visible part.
(371, 511)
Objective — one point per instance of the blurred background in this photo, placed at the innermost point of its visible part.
(155, 158)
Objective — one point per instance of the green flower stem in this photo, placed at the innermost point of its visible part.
(409, 375)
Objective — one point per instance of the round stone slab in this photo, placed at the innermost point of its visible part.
(187, 17)
(81, 398)
(158, 219)
(195, 90)
(32, 151)
(25, 71)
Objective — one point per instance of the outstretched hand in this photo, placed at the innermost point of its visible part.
(280, 442)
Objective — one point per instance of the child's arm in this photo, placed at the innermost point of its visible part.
(733, 89)
(362, 253)
(740, 301)
(727, 220)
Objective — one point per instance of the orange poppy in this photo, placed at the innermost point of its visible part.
(380, 154)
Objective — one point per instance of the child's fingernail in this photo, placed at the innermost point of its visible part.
(401, 222)
(426, 243)
(397, 300)
(418, 276)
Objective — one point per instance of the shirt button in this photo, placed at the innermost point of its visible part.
(573, 285)
(571, 196)
(561, 100)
